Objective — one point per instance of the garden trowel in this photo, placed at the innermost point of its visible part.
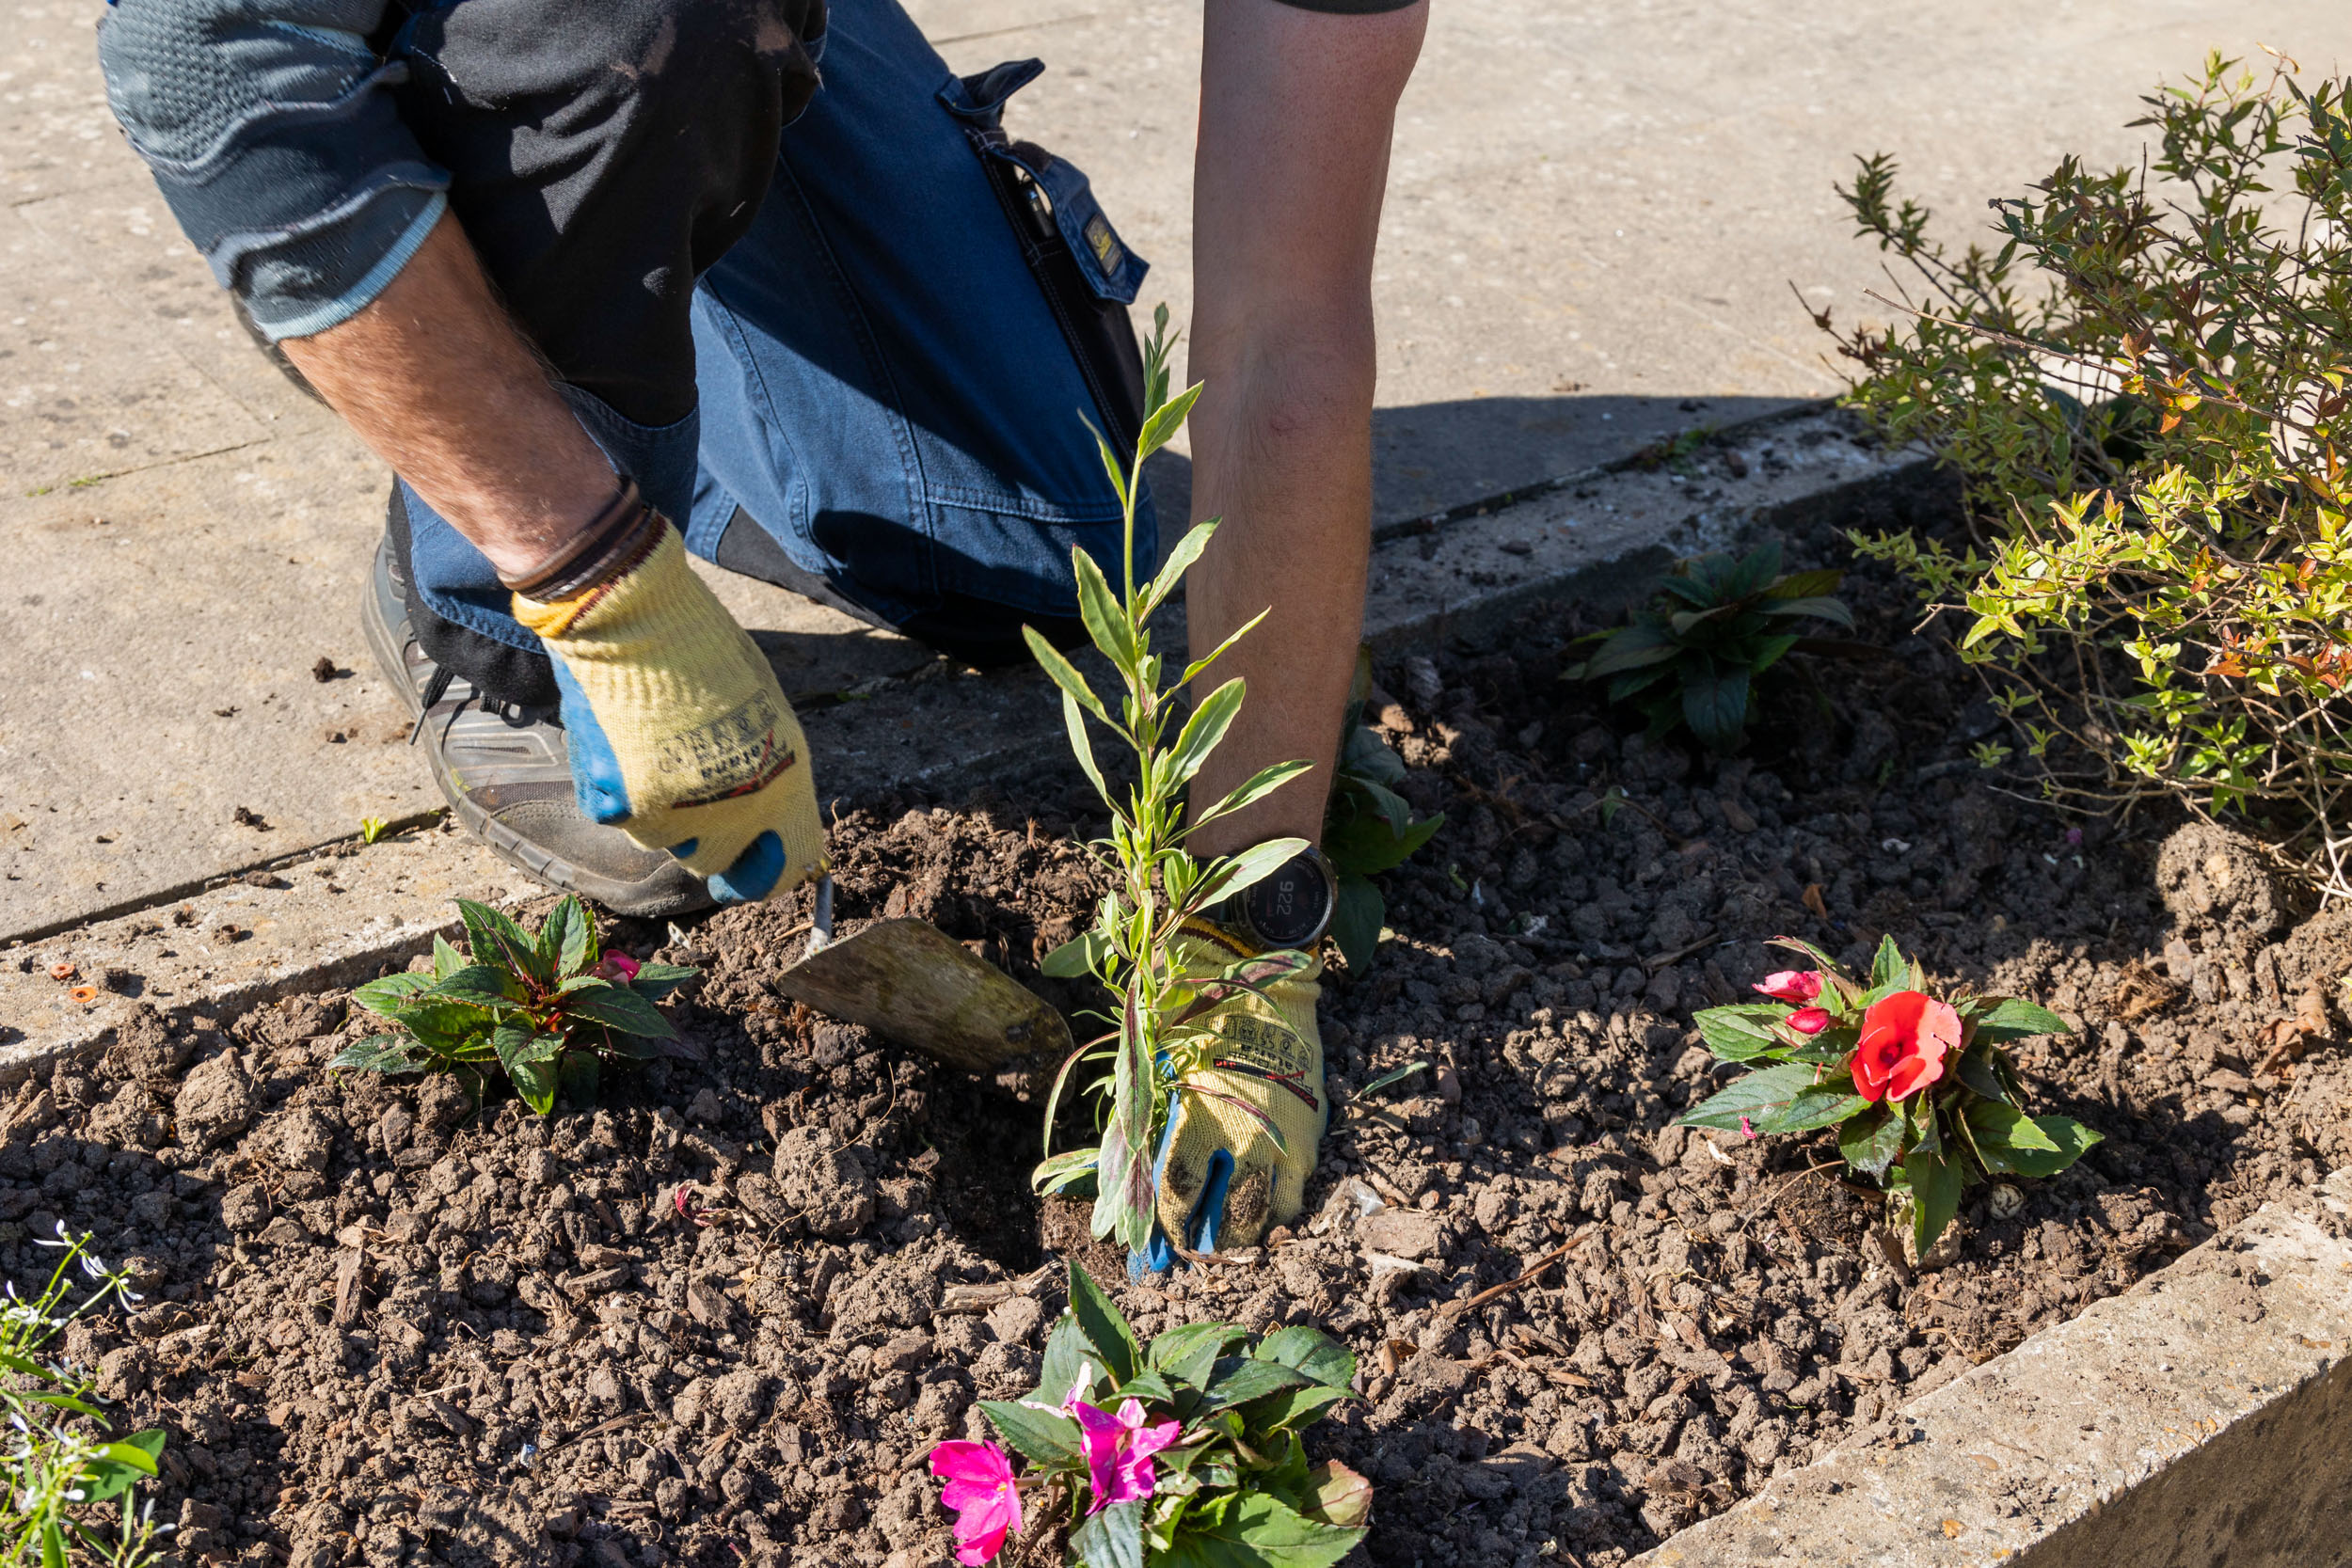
(914, 984)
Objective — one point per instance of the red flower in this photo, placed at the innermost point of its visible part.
(1808, 1021)
(615, 966)
(1904, 1039)
(1792, 984)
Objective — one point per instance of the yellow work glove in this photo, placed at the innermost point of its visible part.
(1223, 1181)
(678, 733)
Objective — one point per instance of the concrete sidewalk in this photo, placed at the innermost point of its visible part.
(1597, 214)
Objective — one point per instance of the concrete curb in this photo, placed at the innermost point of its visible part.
(332, 920)
(2204, 1417)
(343, 912)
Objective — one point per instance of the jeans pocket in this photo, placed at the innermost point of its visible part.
(1087, 272)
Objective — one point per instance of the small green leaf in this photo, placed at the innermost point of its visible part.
(1368, 845)
(1039, 1434)
(618, 1008)
(1311, 1351)
(1751, 1096)
(384, 997)
(1106, 1333)
(1394, 1075)
(566, 937)
(446, 959)
(1889, 968)
(1064, 673)
(1240, 1379)
(1189, 1354)
(1256, 787)
(1257, 1530)
(2014, 1019)
(1111, 1539)
(1252, 865)
(1822, 1106)
(1105, 621)
(1742, 1031)
(1065, 1173)
(1179, 561)
(1934, 1194)
(1715, 704)
(655, 981)
(1079, 956)
(480, 985)
(1202, 731)
(1166, 421)
(1358, 913)
(379, 1053)
(1067, 1357)
(1872, 1143)
(1820, 609)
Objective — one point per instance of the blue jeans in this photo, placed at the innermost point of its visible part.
(867, 392)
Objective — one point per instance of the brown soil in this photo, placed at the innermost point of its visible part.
(721, 1318)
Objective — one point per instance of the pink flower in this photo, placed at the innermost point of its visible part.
(1119, 1451)
(982, 1490)
(1808, 1021)
(1792, 984)
(615, 966)
(1747, 1128)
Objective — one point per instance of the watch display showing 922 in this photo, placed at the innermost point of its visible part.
(1291, 908)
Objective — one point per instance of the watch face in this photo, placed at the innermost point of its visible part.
(1291, 908)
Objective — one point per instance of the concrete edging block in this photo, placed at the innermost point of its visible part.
(2200, 1419)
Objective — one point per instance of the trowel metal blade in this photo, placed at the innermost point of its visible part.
(912, 983)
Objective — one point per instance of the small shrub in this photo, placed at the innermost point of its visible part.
(1924, 1100)
(1691, 658)
(60, 1470)
(2145, 391)
(546, 1007)
(1184, 1452)
(1157, 885)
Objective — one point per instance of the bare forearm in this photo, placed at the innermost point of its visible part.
(433, 377)
(1297, 111)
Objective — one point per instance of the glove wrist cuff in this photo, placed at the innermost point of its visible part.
(620, 536)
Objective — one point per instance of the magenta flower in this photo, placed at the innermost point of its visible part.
(1747, 1128)
(615, 966)
(987, 1501)
(1119, 1451)
(1808, 1021)
(1792, 985)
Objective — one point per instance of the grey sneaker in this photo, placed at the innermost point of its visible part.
(503, 772)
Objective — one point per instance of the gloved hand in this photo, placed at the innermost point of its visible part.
(1222, 1180)
(678, 733)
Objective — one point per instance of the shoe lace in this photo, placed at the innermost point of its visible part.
(513, 713)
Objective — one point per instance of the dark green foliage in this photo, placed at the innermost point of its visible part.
(1236, 1490)
(1366, 828)
(545, 1007)
(1691, 658)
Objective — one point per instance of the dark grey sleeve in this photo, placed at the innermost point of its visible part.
(1350, 7)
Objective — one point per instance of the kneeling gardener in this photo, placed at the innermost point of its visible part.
(611, 281)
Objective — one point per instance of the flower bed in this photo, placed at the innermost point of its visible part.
(725, 1317)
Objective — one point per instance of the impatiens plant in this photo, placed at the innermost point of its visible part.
(547, 1007)
(1718, 623)
(1924, 1100)
(1182, 1453)
(1156, 884)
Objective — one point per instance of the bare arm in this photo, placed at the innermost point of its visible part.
(1296, 108)
(433, 377)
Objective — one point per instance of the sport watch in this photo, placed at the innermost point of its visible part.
(1290, 908)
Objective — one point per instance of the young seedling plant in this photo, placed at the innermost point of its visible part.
(545, 1008)
(1157, 885)
(1924, 1100)
(1182, 1453)
(1692, 657)
(57, 1470)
